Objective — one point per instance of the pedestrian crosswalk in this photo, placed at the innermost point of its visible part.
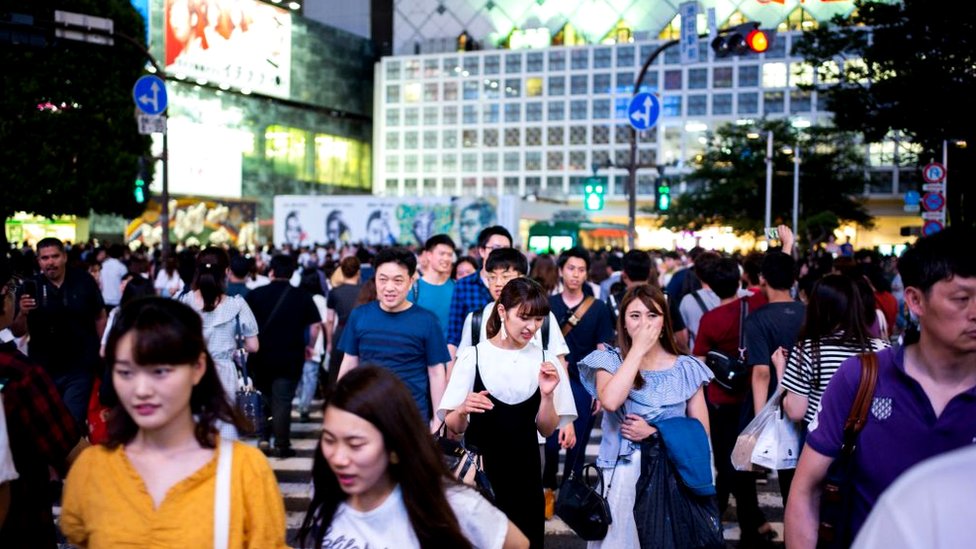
(294, 478)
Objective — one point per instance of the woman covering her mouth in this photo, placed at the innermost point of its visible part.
(156, 476)
(379, 480)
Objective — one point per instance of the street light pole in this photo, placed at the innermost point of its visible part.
(769, 180)
(796, 187)
(632, 168)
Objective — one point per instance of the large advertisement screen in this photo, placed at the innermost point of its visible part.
(242, 44)
(309, 220)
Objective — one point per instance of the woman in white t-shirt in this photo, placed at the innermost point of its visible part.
(376, 477)
(501, 393)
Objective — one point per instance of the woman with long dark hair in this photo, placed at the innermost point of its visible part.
(501, 393)
(225, 318)
(836, 328)
(155, 479)
(379, 480)
(645, 381)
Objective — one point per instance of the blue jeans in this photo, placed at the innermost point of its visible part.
(75, 389)
(307, 385)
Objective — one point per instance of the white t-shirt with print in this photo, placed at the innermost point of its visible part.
(388, 526)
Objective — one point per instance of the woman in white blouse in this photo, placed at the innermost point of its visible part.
(501, 392)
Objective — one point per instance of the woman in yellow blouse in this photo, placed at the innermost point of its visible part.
(154, 483)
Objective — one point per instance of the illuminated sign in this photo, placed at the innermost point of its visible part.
(241, 44)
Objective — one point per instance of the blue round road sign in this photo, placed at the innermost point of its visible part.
(644, 110)
(149, 93)
(934, 173)
(931, 227)
(933, 201)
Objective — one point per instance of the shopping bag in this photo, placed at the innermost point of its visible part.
(778, 446)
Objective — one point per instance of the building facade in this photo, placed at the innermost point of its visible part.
(545, 98)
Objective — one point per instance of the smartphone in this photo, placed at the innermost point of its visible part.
(772, 233)
(29, 287)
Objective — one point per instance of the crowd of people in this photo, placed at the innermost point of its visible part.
(119, 372)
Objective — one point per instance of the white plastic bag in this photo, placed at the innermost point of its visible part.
(770, 440)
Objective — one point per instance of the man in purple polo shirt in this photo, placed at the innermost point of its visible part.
(924, 403)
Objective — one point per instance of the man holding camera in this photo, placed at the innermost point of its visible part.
(63, 312)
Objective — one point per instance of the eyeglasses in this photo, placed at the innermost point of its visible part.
(502, 279)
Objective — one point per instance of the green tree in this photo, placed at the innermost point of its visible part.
(728, 186)
(917, 79)
(69, 142)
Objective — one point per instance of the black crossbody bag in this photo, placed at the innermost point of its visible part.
(731, 371)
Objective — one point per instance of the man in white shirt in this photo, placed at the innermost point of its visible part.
(113, 271)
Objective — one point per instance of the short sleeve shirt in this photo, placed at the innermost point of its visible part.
(901, 430)
(406, 342)
(470, 293)
(282, 337)
(594, 328)
(768, 328)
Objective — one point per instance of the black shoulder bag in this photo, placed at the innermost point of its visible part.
(731, 372)
(582, 505)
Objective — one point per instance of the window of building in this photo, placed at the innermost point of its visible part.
(748, 76)
(449, 185)
(800, 101)
(625, 56)
(432, 68)
(469, 162)
(392, 163)
(469, 185)
(650, 83)
(773, 102)
(625, 83)
(578, 109)
(621, 157)
(777, 49)
(490, 137)
(555, 135)
(392, 117)
(671, 105)
(533, 160)
(430, 116)
(410, 186)
(392, 141)
(601, 134)
(557, 60)
(471, 65)
(470, 115)
(430, 92)
(409, 163)
(672, 56)
(672, 79)
(601, 109)
(412, 69)
(601, 83)
(411, 92)
(602, 58)
(510, 185)
(513, 87)
(621, 107)
(511, 161)
(555, 182)
(577, 135)
(430, 163)
(393, 70)
(697, 79)
(410, 140)
(774, 75)
(450, 91)
(533, 61)
(577, 161)
(621, 133)
(822, 102)
(579, 84)
(557, 111)
(469, 139)
(533, 137)
(748, 103)
(430, 139)
(671, 145)
(554, 160)
(697, 105)
(580, 59)
(533, 185)
(450, 114)
(533, 111)
(393, 93)
(448, 163)
(513, 112)
(557, 85)
(490, 113)
(601, 158)
(722, 103)
(489, 162)
(491, 89)
(533, 86)
(449, 139)
(513, 137)
(492, 63)
(513, 63)
(722, 77)
(801, 74)
(470, 90)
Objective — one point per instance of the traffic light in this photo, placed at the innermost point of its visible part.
(742, 39)
(593, 194)
(139, 189)
(662, 197)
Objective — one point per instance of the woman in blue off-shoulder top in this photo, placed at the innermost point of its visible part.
(643, 382)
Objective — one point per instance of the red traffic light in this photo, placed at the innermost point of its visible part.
(757, 41)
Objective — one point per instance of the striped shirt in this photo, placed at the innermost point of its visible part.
(808, 377)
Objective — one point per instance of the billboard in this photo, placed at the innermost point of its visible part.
(198, 221)
(242, 44)
(376, 220)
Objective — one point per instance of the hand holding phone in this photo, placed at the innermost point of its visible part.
(771, 233)
(29, 287)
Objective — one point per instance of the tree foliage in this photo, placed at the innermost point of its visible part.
(69, 142)
(728, 186)
(917, 78)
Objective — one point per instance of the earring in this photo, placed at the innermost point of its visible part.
(394, 458)
(503, 332)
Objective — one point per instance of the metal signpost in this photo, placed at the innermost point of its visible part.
(643, 113)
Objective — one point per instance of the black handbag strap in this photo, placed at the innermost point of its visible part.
(700, 301)
(743, 311)
(476, 317)
(274, 310)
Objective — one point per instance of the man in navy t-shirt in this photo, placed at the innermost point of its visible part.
(925, 398)
(393, 333)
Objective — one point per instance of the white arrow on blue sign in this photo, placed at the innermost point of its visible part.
(149, 93)
(644, 110)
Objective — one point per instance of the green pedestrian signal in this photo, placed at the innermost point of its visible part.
(593, 194)
(140, 190)
(662, 198)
